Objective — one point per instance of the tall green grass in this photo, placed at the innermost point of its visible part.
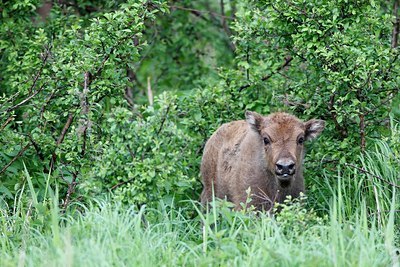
(108, 234)
(105, 233)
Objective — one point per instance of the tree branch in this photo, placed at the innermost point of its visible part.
(339, 128)
(334, 161)
(25, 100)
(37, 148)
(35, 79)
(121, 183)
(42, 109)
(163, 119)
(225, 25)
(361, 115)
(9, 119)
(265, 78)
(84, 111)
(362, 132)
(70, 191)
(61, 138)
(370, 173)
(20, 153)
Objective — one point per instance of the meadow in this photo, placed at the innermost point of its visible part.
(108, 233)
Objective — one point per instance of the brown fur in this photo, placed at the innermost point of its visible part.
(263, 153)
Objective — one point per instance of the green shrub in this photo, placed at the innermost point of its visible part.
(67, 107)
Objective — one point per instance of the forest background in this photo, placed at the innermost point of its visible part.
(105, 107)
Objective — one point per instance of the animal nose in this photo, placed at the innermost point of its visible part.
(285, 167)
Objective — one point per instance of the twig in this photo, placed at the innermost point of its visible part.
(392, 64)
(287, 102)
(370, 173)
(265, 78)
(107, 57)
(128, 93)
(46, 103)
(225, 24)
(163, 120)
(389, 98)
(360, 97)
(362, 132)
(11, 118)
(285, 17)
(84, 100)
(130, 151)
(121, 183)
(45, 57)
(37, 148)
(342, 130)
(26, 100)
(61, 138)
(387, 211)
(112, 50)
(20, 153)
(65, 129)
(39, 72)
(360, 169)
(84, 111)
(70, 191)
(265, 199)
(99, 70)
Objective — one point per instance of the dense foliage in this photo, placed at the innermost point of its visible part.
(115, 100)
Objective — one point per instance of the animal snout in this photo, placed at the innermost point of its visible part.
(285, 167)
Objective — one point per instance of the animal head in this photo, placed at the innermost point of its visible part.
(282, 136)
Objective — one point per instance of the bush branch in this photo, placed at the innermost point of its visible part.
(20, 153)
(84, 111)
(26, 99)
(163, 119)
(61, 138)
(35, 79)
(70, 191)
(339, 128)
(121, 183)
(267, 77)
(9, 119)
(225, 25)
(370, 173)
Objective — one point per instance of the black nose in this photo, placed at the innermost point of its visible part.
(285, 167)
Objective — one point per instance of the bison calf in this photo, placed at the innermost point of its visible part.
(263, 153)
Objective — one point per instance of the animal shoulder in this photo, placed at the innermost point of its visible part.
(233, 130)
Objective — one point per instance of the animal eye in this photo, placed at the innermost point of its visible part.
(300, 141)
(266, 141)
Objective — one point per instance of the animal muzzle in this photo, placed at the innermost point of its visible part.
(285, 168)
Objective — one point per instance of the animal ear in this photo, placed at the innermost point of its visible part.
(254, 119)
(313, 128)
